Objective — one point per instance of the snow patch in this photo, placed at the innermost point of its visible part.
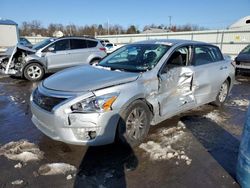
(69, 177)
(22, 150)
(18, 165)
(163, 150)
(12, 98)
(56, 168)
(240, 102)
(214, 116)
(17, 182)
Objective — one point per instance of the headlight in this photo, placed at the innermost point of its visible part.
(95, 104)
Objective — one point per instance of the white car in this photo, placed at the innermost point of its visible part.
(110, 47)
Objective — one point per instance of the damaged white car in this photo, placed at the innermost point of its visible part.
(138, 85)
(50, 56)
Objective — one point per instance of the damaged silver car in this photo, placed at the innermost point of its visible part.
(50, 56)
(139, 85)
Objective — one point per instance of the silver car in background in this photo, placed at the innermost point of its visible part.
(139, 85)
(50, 56)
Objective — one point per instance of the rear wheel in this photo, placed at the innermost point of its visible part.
(222, 95)
(134, 124)
(33, 72)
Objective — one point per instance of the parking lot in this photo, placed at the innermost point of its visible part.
(195, 149)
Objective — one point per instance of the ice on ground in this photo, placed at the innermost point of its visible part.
(18, 165)
(56, 168)
(215, 116)
(12, 98)
(17, 182)
(69, 177)
(163, 150)
(22, 150)
(240, 102)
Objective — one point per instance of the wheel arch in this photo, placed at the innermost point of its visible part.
(136, 98)
(229, 80)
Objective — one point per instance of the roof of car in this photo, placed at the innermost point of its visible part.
(169, 42)
(78, 37)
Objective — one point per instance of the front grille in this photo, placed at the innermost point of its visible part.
(244, 63)
(46, 102)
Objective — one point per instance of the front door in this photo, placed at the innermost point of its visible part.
(60, 57)
(176, 78)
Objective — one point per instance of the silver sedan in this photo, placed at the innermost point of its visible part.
(139, 85)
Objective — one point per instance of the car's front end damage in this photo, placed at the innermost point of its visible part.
(14, 59)
(85, 113)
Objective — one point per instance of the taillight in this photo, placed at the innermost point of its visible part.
(102, 49)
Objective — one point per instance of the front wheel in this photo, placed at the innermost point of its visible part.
(134, 123)
(222, 95)
(33, 72)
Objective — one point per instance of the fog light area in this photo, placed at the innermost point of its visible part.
(85, 133)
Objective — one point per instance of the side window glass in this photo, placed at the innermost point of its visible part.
(178, 58)
(61, 45)
(217, 54)
(203, 55)
(78, 44)
(91, 43)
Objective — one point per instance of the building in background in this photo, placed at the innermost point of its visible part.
(243, 23)
(155, 30)
(58, 34)
(9, 34)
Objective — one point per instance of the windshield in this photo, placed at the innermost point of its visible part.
(246, 50)
(43, 43)
(135, 57)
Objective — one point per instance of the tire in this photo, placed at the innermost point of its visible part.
(222, 95)
(134, 124)
(33, 72)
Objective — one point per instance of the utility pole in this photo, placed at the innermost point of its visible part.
(170, 19)
(108, 26)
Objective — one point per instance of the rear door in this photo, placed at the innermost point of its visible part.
(175, 89)
(79, 52)
(59, 57)
(211, 70)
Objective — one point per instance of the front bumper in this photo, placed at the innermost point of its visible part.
(76, 128)
(243, 68)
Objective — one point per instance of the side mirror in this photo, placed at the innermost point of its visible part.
(51, 49)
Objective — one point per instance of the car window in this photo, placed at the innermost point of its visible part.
(109, 45)
(61, 45)
(215, 52)
(43, 43)
(246, 50)
(203, 55)
(78, 43)
(91, 43)
(135, 57)
(180, 57)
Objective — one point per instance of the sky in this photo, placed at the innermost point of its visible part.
(212, 14)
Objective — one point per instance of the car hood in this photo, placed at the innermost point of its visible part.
(87, 78)
(243, 57)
